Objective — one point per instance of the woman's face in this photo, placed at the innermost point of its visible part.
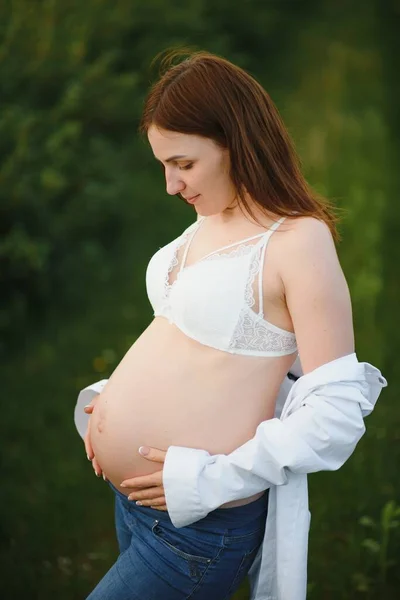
(194, 167)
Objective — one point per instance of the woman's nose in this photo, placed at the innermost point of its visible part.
(174, 185)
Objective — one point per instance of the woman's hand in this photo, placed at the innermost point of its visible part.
(148, 489)
(88, 446)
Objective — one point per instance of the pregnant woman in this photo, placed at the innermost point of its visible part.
(253, 284)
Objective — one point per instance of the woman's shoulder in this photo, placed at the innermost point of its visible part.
(307, 244)
(308, 233)
(299, 226)
(308, 248)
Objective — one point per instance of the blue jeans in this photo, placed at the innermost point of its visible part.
(207, 560)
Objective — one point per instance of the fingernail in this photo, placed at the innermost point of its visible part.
(97, 474)
(144, 450)
(139, 503)
(87, 406)
(104, 477)
(88, 457)
(122, 485)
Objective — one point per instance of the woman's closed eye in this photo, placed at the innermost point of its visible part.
(186, 167)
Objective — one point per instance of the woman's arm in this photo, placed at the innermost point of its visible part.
(317, 295)
(322, 420)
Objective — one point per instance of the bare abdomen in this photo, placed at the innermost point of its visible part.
(171, 390)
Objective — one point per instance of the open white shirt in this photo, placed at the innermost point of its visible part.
(318, 423)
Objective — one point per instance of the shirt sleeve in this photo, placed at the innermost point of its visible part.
(319, 434)
(85, 396)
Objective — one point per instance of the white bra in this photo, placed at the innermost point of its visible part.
(211, 300)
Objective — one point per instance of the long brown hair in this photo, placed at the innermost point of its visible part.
(207, 95)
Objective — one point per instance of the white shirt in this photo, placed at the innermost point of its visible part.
(317, 425)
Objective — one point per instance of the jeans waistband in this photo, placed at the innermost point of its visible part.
(227, 517)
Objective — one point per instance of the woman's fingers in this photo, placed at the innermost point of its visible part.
(89, 407)
(149, 494)
(144, 481)
(96, 467)
(90, 454)
(88, 445)
(159, 503)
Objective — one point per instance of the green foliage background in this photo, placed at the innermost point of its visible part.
(83, 207)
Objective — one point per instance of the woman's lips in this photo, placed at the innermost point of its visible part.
(193, 200)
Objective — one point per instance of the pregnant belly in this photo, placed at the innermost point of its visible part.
(170, 390)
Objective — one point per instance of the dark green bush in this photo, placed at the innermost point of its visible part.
(73, 75)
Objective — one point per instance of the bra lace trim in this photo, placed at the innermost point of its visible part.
(254, 269)
(174, 262)
(252, 331)
(239, 251)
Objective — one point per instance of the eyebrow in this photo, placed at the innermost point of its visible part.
(171, 158)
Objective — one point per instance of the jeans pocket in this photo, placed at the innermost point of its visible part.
(185, 547)
(195, 560)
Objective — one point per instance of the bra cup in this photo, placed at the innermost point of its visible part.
(156, 276)
(210, 302)
(206, 299)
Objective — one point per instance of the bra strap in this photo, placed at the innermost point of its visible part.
(195, 229)
(262, 258)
